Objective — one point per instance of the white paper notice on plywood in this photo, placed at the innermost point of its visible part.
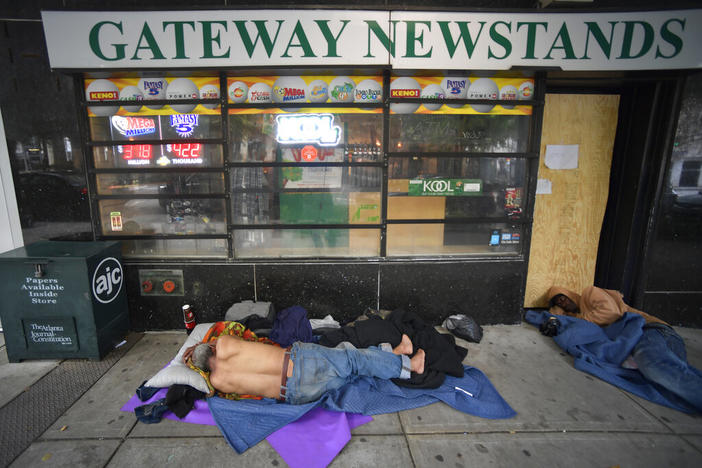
(543, 187)
(561, 156)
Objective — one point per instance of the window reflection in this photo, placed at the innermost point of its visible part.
(454, 239)
(160, 184)
(459, 133)
(465, 187)
(253, 136)
(162, 216)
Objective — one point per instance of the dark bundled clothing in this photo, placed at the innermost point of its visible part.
(291, 325)
(151, 413)
(181, 399)
(144, 392)
(443, 356)
(261, 326)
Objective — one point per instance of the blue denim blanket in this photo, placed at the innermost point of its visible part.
(244, 423)
(601, 350)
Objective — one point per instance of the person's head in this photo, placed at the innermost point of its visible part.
(203, 356)
(565, 303)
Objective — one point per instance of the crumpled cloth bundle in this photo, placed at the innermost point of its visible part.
(464, 327)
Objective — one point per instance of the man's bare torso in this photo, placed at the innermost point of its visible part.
(247, 367)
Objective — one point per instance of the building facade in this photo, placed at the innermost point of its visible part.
(439, 159)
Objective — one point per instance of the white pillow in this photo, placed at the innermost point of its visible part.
(177, 372)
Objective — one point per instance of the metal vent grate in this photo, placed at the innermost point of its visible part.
(32, 412)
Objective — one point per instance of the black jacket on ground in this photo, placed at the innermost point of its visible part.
(443, 356)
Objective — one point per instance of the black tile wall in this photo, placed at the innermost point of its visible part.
(209, 289)
(343, 291)
(490, 292)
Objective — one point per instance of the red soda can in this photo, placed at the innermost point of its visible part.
(188, 318)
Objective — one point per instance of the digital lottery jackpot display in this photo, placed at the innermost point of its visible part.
(133, 129)
(167, 154)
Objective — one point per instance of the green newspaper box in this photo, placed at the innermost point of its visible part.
(63, 300)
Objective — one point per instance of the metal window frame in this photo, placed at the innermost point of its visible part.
(531, 156)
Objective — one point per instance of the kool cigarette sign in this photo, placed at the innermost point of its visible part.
(401, 39)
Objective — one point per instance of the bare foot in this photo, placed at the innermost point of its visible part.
(417, 362)
(405, 346)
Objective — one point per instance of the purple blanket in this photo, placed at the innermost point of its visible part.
(311, 441)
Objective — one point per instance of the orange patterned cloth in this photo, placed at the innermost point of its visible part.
(231, 329)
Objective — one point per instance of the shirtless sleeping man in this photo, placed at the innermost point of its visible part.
(301, 373)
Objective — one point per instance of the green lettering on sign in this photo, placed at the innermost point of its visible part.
(302, 42)
(209, 37)
(671, 38)
(94, 41)
(413, 37)
(468, 41)
(501, 40)
(387, 42)
(262, 34)
(329, 37)
(148, 37)
(627, 42)
(594, 30)
(178, 27)
(445, 187)
(531, 37)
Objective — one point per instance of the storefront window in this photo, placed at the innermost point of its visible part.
(676, 250)
(120, 217)
(429, 180)
(459, 133)
(175, 248)
(288, 243)
(160, 183)
(254, 137)
(454, 239)
(44, 146)
(159, 164)
(456, 187)
(311, 166)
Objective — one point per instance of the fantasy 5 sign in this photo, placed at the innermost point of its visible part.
(404, 40)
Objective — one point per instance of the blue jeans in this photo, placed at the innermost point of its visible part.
(318, 369)
(661, 357)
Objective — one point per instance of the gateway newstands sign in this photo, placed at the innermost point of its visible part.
(403, 40)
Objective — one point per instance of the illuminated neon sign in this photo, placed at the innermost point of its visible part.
(133, 126)
(307, 128)
(184, 124)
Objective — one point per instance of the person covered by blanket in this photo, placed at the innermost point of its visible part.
(659, 354)
(301, 373)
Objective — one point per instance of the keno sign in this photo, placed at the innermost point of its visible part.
(403, 39)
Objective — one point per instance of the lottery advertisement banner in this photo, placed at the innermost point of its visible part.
(461, 87)
(319, 90)
(311, 89)
(132, 95)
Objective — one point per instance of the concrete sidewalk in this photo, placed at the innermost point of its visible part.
(565, 418)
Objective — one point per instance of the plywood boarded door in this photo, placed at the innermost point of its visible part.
(567, 222)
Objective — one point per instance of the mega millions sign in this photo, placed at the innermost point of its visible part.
(400, 39)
